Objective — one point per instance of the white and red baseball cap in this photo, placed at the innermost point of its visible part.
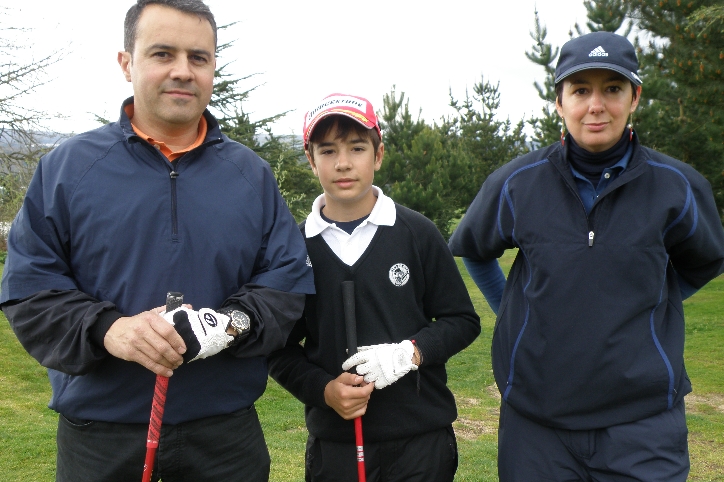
(357, 108)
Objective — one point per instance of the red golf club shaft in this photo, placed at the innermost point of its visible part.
(361, 476)
(154, 427)
(173, 301)
(350, 322)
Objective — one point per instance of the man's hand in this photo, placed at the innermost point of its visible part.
(203, 331)
(146, 339)
(348, 395)
(383, 364)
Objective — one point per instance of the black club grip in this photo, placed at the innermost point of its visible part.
(350, 321)
(174, 300)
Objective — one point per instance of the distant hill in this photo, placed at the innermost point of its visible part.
(9, 141)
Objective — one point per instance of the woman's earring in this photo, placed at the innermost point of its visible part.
(563, 134)
(630, 128)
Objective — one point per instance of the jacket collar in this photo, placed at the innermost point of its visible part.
(213, 131)
(558, 156)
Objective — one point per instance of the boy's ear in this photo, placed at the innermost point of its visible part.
(311, 162)
(379, 155)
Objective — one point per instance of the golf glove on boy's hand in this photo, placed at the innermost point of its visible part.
(203, 331)
(383, 364)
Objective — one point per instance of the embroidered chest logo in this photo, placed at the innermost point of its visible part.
(309, 261)
(399, 274)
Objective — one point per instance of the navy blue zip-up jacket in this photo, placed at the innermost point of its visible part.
(109, 226)
(590, 331)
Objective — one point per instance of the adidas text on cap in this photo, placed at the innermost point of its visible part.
(354, 107)
(598, 50)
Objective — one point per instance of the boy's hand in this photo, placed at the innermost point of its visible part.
(383, 364)
(348, 395)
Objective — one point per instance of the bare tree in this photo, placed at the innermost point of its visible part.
(22, 136)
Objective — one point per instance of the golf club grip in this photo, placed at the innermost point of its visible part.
(350, 325)
(173, 300)
(350, 321)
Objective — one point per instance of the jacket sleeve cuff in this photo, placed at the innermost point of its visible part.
(428, 348)
(99, 329)
(316, 393)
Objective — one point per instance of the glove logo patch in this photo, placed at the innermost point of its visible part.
(399, 274)
(210, 319)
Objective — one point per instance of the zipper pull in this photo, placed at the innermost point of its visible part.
(590, 239)
(174, 174)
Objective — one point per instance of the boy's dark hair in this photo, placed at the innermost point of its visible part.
(194, 7)
(559, 90)
(345, 126)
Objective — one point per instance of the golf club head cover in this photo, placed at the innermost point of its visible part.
(203, 331)
(383, 364)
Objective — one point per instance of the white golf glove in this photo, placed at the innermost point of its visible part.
(383, 364)
(203, 331)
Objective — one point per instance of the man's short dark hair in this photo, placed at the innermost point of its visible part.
(345, 126)
(194, 7)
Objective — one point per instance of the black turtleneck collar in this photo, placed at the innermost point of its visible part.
(592, 164)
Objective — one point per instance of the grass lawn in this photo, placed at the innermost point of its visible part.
(27, 426)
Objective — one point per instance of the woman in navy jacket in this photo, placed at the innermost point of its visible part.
(611, 237)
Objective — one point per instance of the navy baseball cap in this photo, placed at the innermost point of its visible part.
(598, 50)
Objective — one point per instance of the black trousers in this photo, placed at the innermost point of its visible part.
(222, 448)
(429, 457)
(654, 449)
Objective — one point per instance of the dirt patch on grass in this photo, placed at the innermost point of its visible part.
(486, 423)
(472, 429)
(705, 465)
(695, 401)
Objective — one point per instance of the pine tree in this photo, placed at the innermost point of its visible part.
(422, 168)
(487, 141)
(547, 127)
(683, 110)
(438, 169)
(606, 16)
(284, 154)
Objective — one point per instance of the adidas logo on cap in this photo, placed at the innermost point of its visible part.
(598, 52)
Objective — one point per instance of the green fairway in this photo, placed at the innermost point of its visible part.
(27, 429)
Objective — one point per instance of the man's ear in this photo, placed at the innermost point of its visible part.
(311, 162)
(379, 155)
(124, 60)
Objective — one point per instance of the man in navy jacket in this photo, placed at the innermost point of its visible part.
(113, 219)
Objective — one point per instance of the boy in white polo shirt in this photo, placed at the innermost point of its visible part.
(412, 308)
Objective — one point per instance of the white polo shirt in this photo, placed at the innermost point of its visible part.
(349, 247)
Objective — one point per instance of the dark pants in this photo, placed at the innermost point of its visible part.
(654, 449)
(221, 448)
(432, 456)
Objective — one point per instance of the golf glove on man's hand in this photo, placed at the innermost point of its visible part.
(203, 331)
(383, 364)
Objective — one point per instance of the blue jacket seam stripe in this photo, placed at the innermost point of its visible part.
(689, 200)
(660, 348)
(511, 375)
(505, 193)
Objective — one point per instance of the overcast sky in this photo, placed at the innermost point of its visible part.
(302, 51)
